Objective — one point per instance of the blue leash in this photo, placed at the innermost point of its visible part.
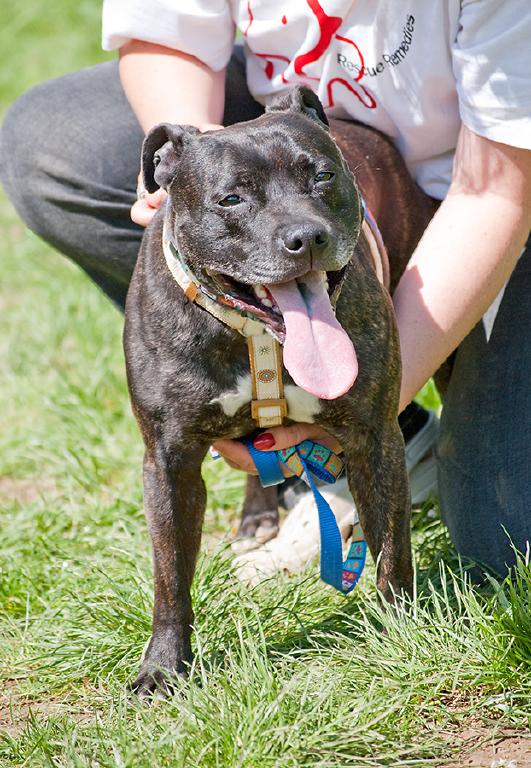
(308, 460)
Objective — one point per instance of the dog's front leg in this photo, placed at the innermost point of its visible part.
(379, 483)
(174, 500)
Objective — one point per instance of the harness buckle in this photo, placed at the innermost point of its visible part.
(269, 413)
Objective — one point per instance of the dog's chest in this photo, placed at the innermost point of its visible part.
(302, 406)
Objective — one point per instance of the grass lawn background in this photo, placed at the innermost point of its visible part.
(289, 674)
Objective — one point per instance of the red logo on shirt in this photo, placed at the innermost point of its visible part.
(328, 28)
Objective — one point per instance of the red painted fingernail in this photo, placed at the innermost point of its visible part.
(264, 441)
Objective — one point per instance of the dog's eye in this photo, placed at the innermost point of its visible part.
(324, 176)
(230, 200)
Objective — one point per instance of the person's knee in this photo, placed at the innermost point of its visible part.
(69, 153)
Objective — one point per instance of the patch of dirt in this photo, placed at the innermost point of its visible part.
(489, 746)
(25, 491)
(16, 709)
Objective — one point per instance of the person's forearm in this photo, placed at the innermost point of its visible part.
(163, 85)
(463, 260)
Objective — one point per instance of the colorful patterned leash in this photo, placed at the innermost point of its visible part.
(308, 460)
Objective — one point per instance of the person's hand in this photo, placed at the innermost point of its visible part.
(274, 439)
(147, 204)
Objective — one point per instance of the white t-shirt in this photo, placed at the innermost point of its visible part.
(415, 69)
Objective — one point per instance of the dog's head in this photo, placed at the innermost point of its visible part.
(269, 211)
(259, 202)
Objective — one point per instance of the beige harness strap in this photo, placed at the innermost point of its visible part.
(375, 251)
(378, 253)
(268, 406)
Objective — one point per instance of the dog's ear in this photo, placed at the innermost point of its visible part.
(302, 100)
(161, 152)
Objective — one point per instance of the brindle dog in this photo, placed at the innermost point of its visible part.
(267, 202)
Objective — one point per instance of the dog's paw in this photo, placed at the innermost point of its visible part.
(154, 683)
(166, 660)
(254, 531)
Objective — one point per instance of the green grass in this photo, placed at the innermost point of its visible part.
(288, 674)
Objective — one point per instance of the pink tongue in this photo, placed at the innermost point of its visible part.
(317, 352)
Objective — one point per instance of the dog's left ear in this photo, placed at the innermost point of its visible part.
(161, 152)
(302, 100)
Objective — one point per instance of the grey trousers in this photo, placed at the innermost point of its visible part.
(69, 159)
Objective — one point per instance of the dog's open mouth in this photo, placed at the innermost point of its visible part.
(258, 300)
(318, 353)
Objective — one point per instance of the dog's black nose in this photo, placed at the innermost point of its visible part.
(300, 239)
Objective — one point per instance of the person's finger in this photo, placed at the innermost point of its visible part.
(236, 455)
(204, 127)
(277, 438)
(146, 206)
(232, 465)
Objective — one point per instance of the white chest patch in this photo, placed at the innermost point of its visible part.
(232, 401)
(302, 406)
